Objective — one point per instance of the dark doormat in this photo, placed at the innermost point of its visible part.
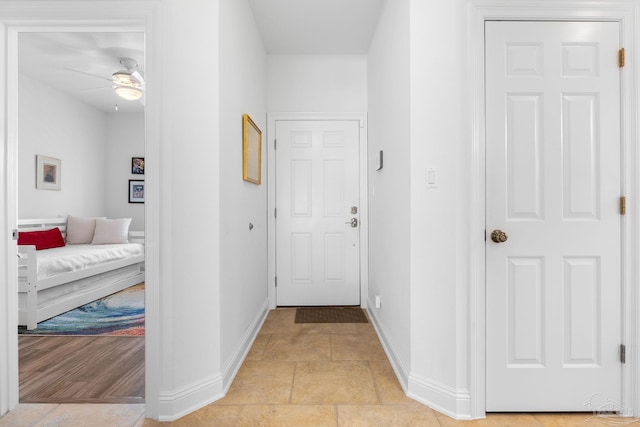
(330, 315)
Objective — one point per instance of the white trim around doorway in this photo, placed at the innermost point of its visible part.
(626, 12)
(272, 118)
(76, 16)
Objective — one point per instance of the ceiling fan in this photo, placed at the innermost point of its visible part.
(127, 84)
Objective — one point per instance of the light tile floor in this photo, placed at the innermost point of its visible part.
(302, 375)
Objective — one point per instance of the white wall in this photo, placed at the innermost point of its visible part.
(389, 188)
(243, 262)
(55, 125)
(124, 139)
(440, 217)
(418, 115)
(317, 83)
(188, 281)
(95, 149)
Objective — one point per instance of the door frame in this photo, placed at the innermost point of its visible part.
(272, 119)
(84, 16)
(626, 13)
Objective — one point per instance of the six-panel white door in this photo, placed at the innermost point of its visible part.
(317, 187)
(553, 296)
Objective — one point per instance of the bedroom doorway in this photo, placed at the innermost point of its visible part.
(70, 110)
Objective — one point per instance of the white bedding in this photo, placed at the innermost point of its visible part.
(52, 262)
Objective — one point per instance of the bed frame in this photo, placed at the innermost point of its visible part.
(41, 300)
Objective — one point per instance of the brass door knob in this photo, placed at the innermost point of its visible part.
(499, 236)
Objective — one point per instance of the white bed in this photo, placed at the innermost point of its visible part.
(53, 281)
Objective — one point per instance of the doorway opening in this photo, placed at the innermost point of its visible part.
(70, 109)
(330, 133)
(139, 16)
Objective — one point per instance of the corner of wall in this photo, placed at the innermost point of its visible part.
(181, 402)
(456, 403)
(185, 400)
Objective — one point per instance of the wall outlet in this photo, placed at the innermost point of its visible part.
(378, 302)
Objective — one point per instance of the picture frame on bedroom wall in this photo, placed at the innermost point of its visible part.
(251, 151)
(137, 165)
(136, 191)
(48, 173)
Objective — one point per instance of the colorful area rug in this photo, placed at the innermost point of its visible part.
(120, 314)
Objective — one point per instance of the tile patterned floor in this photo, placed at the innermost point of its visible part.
(302, 375)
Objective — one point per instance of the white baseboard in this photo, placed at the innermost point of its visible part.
(398, 367)
(179, 403)
(191, 398)
(454, 403)
(451, 402)
(230, 371)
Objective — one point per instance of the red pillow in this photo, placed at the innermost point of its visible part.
(46, 239)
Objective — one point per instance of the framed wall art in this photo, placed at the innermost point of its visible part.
(251, 151)
(48, 173)
(136, 191)
(137, 165)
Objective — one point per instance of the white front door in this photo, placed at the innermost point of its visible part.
(553, 186)
(317, 223)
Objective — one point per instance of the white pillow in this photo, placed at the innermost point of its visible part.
(80, 230)
(111, 231)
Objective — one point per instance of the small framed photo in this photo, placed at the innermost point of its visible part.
(137, 165)
(251, 151)
(136, 191)
(48, 173)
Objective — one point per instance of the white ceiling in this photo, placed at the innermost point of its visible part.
(316, 26)
(81, 64)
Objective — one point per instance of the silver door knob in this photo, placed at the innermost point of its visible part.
(353, 222)
(499, 236)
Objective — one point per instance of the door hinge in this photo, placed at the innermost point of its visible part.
(14, 234)
(276, 281)
(623, 353)
(623, 205)
(621, 57)
(275, 144)
(275, 212)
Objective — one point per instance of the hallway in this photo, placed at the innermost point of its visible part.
(302, 375)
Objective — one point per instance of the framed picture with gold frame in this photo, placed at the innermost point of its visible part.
(251, 151)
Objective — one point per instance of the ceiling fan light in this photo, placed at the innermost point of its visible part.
(129, 93)
(125, 78)
(121, 77)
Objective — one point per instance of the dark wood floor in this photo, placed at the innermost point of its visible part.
(89, 369)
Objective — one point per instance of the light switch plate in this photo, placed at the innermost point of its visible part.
(433, 178)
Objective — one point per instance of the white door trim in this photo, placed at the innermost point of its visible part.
(272, 118)
(625, 12)
(79, 16)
